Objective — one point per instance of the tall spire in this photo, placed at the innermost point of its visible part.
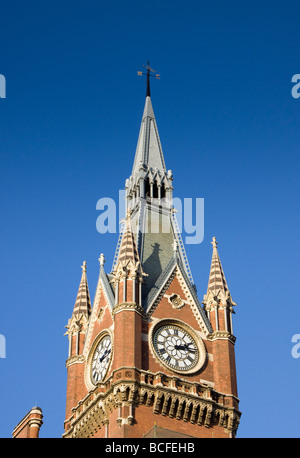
(149, 151)
(149, 194)
(83, 302)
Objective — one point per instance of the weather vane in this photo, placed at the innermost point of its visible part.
(148, 74)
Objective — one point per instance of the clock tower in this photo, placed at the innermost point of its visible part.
(148, 359)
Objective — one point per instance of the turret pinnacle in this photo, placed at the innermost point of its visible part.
(83, 302)
(217, 289)
(128, 274)
(217, 279)
(128, 254)
(78, 323)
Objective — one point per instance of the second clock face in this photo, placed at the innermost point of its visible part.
(101, 359)
(176, 347)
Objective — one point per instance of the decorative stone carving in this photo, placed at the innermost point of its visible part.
(100, 315)
(176, 301)
(166, 400)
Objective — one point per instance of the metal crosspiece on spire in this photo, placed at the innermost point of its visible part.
(148, 74)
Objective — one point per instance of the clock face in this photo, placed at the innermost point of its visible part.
(175, 347)
(101, 359)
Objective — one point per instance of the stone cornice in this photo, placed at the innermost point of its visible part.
(129, 306)
(75, 359)
(222, 335)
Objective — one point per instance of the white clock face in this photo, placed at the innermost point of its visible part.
(101, 359)
(175, 347)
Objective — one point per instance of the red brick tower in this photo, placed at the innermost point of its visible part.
(147, 360)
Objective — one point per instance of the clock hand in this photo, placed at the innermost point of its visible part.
(102, 358)
(184, 347)
(105, 354)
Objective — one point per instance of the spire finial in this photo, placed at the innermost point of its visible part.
(101, 259)
(214, 242)
(148, 74)
(83, 266)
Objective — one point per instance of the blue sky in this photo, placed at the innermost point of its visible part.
(230, 133)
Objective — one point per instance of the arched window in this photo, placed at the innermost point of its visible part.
(155, 190)
(147, 188)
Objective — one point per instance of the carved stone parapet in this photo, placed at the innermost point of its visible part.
(202, 406)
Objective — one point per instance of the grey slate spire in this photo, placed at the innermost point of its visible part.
(148, 151)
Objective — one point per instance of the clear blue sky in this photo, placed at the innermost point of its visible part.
(230, 133)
